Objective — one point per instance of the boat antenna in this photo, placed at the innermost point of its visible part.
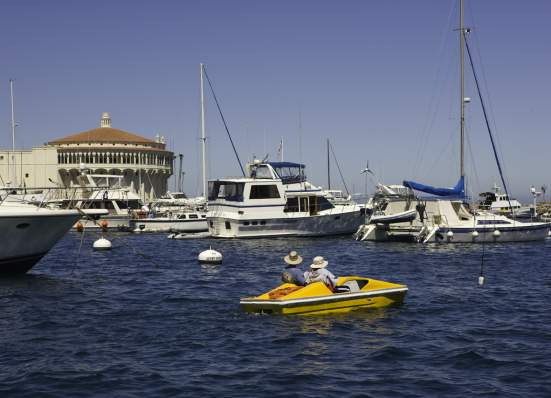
(13, 135)
(328, 167)
(486, 119)
(203, 136)
(223, 119)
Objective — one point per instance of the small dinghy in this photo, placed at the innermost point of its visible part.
(351, 293)
(382, 218)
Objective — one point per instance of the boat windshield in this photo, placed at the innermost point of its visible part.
(232, 191)
(290, 173)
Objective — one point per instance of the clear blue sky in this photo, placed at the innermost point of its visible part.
(378, 78)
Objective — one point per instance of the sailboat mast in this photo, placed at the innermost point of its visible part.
(14, 178)
(462, 89)
(328, 167)
(203, 138)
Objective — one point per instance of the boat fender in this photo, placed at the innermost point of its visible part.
(103, 224)
(449, 234)
(475, 234)
(79, 227)
(497, 233)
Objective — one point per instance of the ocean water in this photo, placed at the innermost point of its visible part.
(146, 320)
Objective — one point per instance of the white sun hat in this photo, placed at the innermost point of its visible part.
(319, 262)
(292, 258)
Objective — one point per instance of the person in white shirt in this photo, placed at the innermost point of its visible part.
(319, 273)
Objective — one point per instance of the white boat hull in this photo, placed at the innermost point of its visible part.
(506, 234)
(165, 224)
(319, 225)
(27, 238)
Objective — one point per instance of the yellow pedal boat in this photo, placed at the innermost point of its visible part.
(351, 293)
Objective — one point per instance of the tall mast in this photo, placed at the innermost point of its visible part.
(203, 138)
(462, 89)
(14, 177)
(328, 167)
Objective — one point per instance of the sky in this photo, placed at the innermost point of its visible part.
(379, 79)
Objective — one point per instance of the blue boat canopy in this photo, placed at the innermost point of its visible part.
(456, 192)
(276, 165)
(289, 172)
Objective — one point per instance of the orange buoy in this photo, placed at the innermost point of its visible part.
(103, 224)
(79, 227)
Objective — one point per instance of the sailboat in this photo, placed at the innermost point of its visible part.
(444, 216)
(177, 213)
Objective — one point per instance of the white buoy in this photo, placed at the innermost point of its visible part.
(480, 280)
(210, 257)
(449, 234)
(102, 244)
(496, 233)
(475, 234)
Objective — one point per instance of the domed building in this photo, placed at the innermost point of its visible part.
(145, 164)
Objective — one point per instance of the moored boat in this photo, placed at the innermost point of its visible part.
(351, 293)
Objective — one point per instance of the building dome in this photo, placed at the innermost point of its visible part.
(104, 135)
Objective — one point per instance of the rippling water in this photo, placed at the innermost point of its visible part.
(122, 324)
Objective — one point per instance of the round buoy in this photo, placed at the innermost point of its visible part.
(475, 234)
(496, 233)
(79, 227)
(210, 257)
(103, 224)
(102, 244)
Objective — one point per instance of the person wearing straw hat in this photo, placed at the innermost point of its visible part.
(319, 273)
(292, 274)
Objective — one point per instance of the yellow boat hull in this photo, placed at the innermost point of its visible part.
(316, 298)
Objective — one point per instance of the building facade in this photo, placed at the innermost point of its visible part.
(144, 164)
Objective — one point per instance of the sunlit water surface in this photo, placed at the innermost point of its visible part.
(146, 320)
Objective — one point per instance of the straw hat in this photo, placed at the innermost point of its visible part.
(292, 258)
(319, 262)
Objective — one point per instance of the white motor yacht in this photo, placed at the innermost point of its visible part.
(102, 191)
(500, 203)
(29, 231)
(276, 200)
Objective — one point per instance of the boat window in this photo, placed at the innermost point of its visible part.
(245, 223)
(290, 173)
(492, 222)
(291, 206)
(262, 171)
(231, 191)
(319, 203)
(182, 216)
(262, 222)
(255, 223)
(264, 192)
(203, 216)
(228, 225)
(193, 216)
(133, 204)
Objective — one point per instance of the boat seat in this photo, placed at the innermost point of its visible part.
(352, 286)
